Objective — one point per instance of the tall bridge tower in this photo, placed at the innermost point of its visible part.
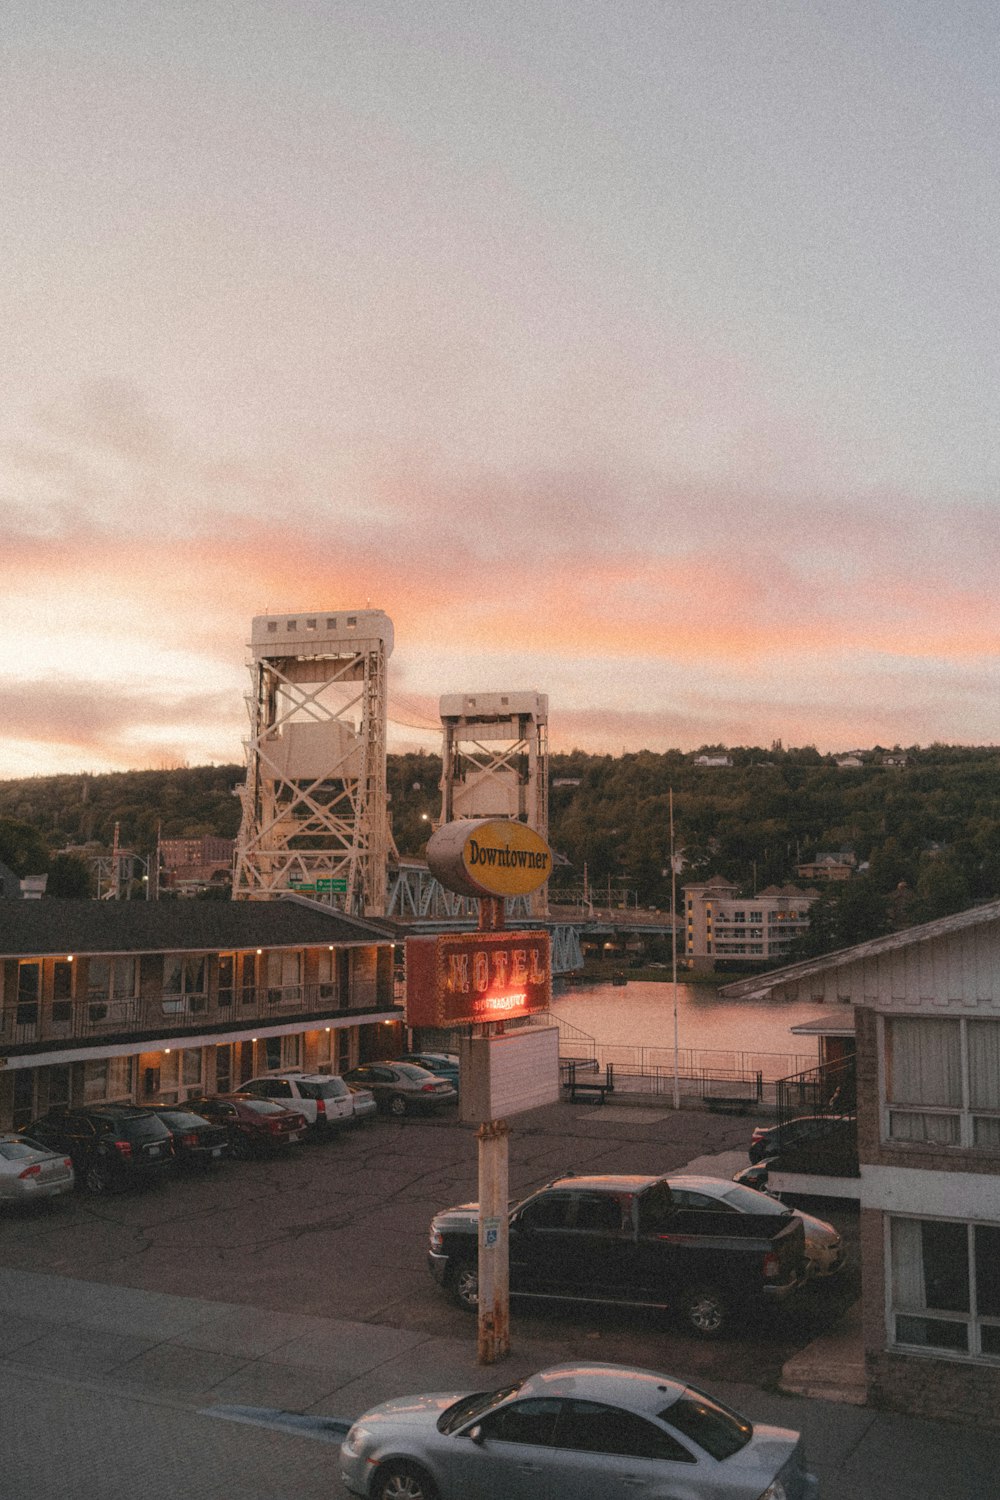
(314, 801)
(495, 761)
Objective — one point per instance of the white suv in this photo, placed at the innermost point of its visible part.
(323, 1098)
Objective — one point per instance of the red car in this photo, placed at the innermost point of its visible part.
(254, 1126)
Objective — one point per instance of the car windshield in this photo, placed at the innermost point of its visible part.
(748, 1201)
(714, 1427)
(322, 1088)
(410, 1070)
(182, 1119)
(467, 1408)
(18, 1150)
(265, 1107)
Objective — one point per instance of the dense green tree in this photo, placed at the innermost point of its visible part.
(69, 878)
(22, 847)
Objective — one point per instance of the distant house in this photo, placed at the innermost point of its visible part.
(829, 866)
(713, 760)
(894, 759)
(566, 780)
(850, 762)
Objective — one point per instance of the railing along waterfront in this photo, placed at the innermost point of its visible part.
(93, 1016)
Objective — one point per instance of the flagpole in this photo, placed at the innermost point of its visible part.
(673, 951)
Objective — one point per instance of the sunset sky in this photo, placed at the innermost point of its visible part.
(640, 352)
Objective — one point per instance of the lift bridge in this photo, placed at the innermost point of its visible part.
(314, 802)
(422, 905)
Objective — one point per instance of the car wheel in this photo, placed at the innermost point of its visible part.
(465, 1286)
(96, 1178)
(402, 1481)
(242, 1148)
(704, 1310)
(397, 1106)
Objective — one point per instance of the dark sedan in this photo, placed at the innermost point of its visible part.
(254, 1127)
(823, 1137)
(197, 1141)
(400, 1087)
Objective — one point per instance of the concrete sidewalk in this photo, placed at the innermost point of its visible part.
(211, 1357)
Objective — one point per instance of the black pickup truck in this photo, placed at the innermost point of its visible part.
(624, 1240)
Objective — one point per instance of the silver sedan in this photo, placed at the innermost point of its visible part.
(29, 1171)
(585, 1430)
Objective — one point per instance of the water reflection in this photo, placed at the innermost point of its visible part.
(641, 1014)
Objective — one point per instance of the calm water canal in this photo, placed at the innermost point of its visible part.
(641, 1015)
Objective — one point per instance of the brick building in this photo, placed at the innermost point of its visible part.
(926, 1006)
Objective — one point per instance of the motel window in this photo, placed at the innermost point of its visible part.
(227, 979)
(62, 980)
(284, 975)
(108, 1078)
(942, 1081)
(326, 973)
(111, 978)
(945, 1286)
(184, 982)
(29, 991)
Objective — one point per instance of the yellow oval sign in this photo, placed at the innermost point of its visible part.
(489, 857)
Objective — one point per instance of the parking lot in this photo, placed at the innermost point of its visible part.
(338, 1228)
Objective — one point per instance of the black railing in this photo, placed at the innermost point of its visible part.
(829, 1089)
(94, 1016)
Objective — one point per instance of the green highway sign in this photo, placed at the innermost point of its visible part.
(332, 883)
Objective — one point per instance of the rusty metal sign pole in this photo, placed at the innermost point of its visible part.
(493, 1341)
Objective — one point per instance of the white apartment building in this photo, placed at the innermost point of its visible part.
(722, 924)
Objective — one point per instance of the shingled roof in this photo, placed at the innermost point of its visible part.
(36, 928)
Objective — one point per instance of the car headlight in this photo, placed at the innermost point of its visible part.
(356, 1441)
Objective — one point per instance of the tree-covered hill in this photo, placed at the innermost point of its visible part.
(927, 830)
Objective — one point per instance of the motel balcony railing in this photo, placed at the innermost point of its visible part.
(96, 1016)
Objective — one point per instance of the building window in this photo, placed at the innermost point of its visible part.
(184, 983)
(108, 1078)
(326, 973)
(29, 992)
(284, 976)
(111, 978)
(942, 1082)
(945, 1291)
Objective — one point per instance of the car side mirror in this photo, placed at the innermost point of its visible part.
(475, 1435)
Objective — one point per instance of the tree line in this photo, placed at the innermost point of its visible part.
(925, 833)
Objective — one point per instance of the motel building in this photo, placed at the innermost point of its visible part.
(926, 1011)
(141, 1002)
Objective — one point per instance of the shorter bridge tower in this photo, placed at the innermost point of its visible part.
(314, 800)
(495, 761)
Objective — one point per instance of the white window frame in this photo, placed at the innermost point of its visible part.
(973, 1321)
(963, 1114)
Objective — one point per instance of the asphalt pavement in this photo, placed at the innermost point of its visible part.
(110, 1391)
